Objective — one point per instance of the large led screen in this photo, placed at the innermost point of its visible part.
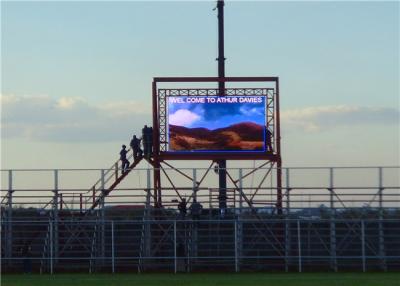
(216, 123)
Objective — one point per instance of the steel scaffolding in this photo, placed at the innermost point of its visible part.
(338, 223)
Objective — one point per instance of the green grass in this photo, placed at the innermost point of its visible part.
(204, 279)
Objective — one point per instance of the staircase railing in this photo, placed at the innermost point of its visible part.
(4, 200)
(97, 188)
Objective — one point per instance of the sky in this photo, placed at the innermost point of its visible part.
(76, 76)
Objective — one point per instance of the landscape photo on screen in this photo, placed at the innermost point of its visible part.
(216, 123)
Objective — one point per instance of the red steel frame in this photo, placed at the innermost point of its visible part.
(162, 155)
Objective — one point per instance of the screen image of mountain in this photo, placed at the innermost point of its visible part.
(213, 123)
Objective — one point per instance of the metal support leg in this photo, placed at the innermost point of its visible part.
(363, 246)
(240, 192)
(112, 247)
(382, 252)
(194, 185)
(333, 262)
(236, 247)
(287, 222)
(9, 233)
(148, 181)
(175, 254)
(299, 245)
(239, 223)
(102, 217)
(147, 234)
(51, 246)
(56, 205)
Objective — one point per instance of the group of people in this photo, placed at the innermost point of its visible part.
(135, 144)
(195, 209)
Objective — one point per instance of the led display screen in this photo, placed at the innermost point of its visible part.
(216, 123)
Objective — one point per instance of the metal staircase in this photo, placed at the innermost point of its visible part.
(99, 189)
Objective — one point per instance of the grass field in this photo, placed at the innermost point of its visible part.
(205, 279)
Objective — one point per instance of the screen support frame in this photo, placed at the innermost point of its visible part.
(159, 157)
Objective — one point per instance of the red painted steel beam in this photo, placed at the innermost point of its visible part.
(213, 156)
(216, 79)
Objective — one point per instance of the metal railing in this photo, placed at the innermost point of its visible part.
(333, 218)
(226, 245)
(341, 187)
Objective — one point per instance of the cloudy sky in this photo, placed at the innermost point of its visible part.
(76, 76)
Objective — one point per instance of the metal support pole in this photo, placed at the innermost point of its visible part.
(382, 252)
(149, 182)
(287, 222)
(102, 215)
(363, 245)
(278, 151)
(239, 223)
(157, 185)
(236, 248)
(156, 149)
(80, 203)
(240, 192)
(9, 235)
(112, 247)
(279, 186)
(51, 246)
(102, 176)
(147, 234)
(94, 195)
(221, 91)
(287, 192)
(10, 180)
(60, 201)
(332, 205)
(299, 245)
(194, 185)
(222, 187)
(332, 222)
(55, 215)
(175, 257)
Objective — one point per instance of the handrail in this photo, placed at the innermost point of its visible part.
(4, 198)
(108, 170)
(106, 180)
(96, 201)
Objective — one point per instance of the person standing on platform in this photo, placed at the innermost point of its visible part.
(195, 209)
(268, 140)
(182, 209)
(135, 145)
(124, 160)
(147, 141)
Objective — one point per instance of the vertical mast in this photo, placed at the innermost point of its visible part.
(221, 53)
(221, 89)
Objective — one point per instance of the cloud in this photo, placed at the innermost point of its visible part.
(183, 117)
(73, 119)
(251, 111)
(69, 102)
(70, 119)
(313, 119)
(123, 108)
